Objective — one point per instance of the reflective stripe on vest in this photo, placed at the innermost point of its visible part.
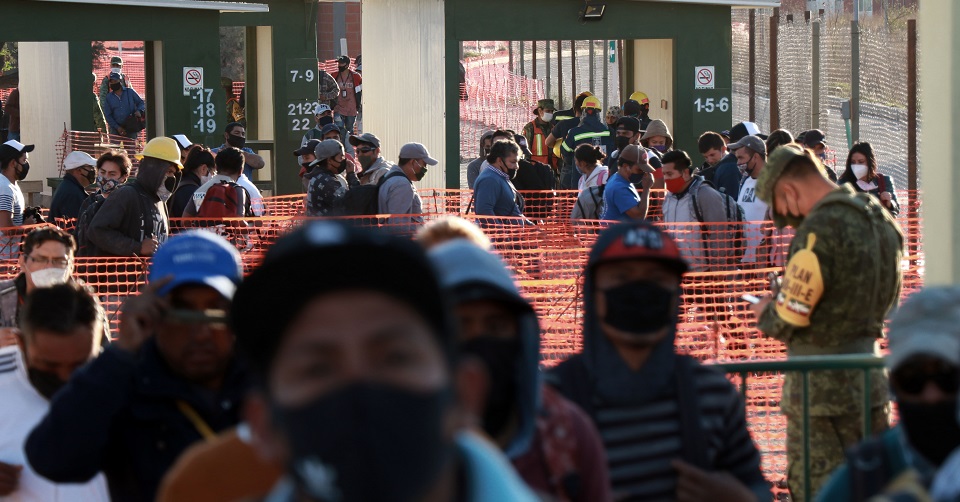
(587, 135)
(561, 118)
(538, 143)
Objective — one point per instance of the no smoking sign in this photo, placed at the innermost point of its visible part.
(192, 79)
(705, 77)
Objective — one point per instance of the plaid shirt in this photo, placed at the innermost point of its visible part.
(329, 90)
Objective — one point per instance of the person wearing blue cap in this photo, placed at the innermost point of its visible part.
(168, 381)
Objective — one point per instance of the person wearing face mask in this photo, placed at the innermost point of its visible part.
(397, 193)
(235, 135)
(373, 165)
(537, 130)
(79, 173)
(690, 199)
(123, 107)
(170, 379)
(305, 156)
(383, 421)
(589, 160)
(198, 169)
(113, 168)
(591, 131)
(842, 278)
(133, 221)
(14, 167)
(864, 176)
(350, 99)
(325, 193)
(550, 441)
(494, 193)
(657, 137)
(924, 366)
(331, 131)
(751, 153)
(620, 198)
(686, 437)
(60, 333)
(476, 165)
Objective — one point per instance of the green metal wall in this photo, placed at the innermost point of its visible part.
(701, 35)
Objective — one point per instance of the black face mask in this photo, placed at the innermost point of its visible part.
(636, 178)
(366, 442)
(340, 168)
(46, 383)
(342, 68)
(931, 428)
(500, 357)
(116, 87)
(170, 183)
(236, 141)
(622, 142)
(22, 173)
(91, 176)
(640, 307)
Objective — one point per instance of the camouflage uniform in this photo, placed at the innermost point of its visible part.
(325, 193)
(856, 252)
(329, 90)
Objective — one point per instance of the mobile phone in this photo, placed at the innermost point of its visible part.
(750, 298)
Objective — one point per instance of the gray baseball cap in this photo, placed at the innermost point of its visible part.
(752, 142)
(927, 323)
(327, 148)
(417, 151)
(365, 138)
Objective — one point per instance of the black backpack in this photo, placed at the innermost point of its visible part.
(84, 246)
(365, 199)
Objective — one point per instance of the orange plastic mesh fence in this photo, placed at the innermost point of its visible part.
(96, 144)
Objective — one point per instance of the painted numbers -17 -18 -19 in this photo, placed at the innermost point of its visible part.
(205, 110)
(711, 105)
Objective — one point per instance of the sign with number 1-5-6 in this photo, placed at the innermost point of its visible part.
(203, 111)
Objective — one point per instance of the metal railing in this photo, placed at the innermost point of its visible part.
(804, 365)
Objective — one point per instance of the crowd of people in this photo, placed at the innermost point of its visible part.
(418, 376)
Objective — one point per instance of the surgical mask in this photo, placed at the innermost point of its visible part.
(204, 179)
(622, 142)
(931, 429)
(859, 170)
(640, 307)
(499, 355)
(547, 116)
(660, 148)
(388, 443)
(45, 382)
(48, 277)
(675, 185)
(236, 141)
(24, 169)
(116, 87)
(107, 185)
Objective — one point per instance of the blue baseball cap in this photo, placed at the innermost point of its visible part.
(198, 257)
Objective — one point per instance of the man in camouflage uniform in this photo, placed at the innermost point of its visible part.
(842, 278)
(537, 130)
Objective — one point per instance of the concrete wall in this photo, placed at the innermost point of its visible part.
(337, 19)
(403, 84)
(44, 103)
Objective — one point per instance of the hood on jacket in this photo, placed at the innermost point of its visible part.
(150, 174)
(469, 273)
(486, 134)
(613, 380)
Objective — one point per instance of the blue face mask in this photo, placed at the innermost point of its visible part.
(660, 148)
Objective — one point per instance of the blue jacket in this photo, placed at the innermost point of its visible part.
(68, 198)
(119, 415)
(725, 175)
(116, 109)
(591, 131)
(495, 196)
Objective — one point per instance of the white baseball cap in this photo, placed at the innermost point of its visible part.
(78, 159)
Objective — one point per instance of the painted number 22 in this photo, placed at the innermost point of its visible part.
(709, 105)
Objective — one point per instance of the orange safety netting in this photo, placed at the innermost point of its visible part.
(96, 144)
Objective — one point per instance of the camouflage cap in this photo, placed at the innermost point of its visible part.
(771, 172)
(546, 104)
(116, 60)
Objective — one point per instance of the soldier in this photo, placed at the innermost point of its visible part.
(842, 278)
(537, 130)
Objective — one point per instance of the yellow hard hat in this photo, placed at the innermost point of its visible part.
(591, 102)
(162, 148)
(640, 97)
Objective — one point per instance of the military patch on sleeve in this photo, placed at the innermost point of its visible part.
(802, 286)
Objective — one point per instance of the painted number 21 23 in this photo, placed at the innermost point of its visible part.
(710, 105)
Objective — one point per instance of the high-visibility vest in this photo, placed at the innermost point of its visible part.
(538, 147)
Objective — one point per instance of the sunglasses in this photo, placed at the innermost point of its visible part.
(912, 380)
(366, 149)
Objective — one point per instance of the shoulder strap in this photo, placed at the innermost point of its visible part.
(693, 440)
(383, 179)
(696, 202)
(198, 423)
(869, 468)
(146, 215)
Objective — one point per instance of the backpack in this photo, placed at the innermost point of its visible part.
(224, 200)
(365, 199)
(590, 202)
(731, 210)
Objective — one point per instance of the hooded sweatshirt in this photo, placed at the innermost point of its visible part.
(131, 214)
(474, 167)
(551, 431)
(638, 413)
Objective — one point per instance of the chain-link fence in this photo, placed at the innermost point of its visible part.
(810, 95)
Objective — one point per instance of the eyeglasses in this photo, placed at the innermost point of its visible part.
(43, 260)
(366, 149)
(912, 380)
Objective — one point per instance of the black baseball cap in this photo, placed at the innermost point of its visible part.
(629, 123)
(13, 149)
(308, 148)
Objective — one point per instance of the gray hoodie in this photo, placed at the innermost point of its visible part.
(132, 214)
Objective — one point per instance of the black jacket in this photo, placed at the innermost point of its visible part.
(68, 198)
(119, 415)
(123, 223)
(184, 194)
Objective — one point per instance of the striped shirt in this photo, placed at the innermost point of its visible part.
(11, 199)
(642, 440)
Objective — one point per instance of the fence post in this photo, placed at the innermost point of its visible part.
(573, 68)
(560, 70)
(855, 76)
(815, 108)
(533, 60)
(752, 77)
(510, 56)
(774, 92)
(546, 69)
(912, 194)
(591, 67)
(523, 59)
(606, 71)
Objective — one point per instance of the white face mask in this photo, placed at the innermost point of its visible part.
(859, 170)
(49, 277)
(163, 193)
(547, 116)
